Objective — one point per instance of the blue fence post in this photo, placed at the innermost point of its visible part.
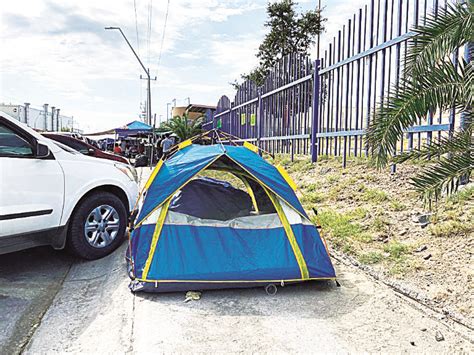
(259, 116)
(315, 112)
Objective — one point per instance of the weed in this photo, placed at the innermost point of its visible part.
(396, 249)
(358, 214)
(312, 197)
(364, 238)
(371, 257)
(380, 223)
(463, 195)
(300, 165)
(451, 228)
(333, 178)
(339, 226)
(312, 187)
(374, 195)
(396, 205)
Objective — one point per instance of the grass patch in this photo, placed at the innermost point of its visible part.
(374, 195)
(372, 257)
(396, 205)
(462, 196)
(380, 224)
(312, 187)
(303, 165)
(451, 228)
(312, 197)
(358, 214)
(333, 178)
(341, 229)
(396, 249)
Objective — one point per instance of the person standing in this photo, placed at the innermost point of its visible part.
(117, 149)
(166, 145)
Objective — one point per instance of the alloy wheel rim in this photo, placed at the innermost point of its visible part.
(101, 226)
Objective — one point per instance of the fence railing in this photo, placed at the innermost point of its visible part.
(344, 86)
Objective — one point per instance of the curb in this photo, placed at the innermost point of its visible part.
(409, 292)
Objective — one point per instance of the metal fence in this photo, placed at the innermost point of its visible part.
(345, 86)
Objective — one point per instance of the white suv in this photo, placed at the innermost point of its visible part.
(53, 195)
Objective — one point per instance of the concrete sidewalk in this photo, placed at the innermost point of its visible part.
(96, 313)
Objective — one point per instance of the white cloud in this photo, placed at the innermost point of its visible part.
(58, 52)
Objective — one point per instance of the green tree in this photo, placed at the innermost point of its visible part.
(290, 32)
(432, 83)
(183, 127)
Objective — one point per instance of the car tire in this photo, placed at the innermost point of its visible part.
(97, 226)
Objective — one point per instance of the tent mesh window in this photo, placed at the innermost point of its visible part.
(209, 198)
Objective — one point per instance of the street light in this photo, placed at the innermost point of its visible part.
(147, 71)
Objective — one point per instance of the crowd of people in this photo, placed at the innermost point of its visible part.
(162, 147)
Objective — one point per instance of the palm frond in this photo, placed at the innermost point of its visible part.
(444, 176)
(460, 142)
(451, 28)
(443, 88)
(184, 127)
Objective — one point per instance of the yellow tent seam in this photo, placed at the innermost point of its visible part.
(161, 204)
(287, 177)
(291, 237)
(250, 191)
(251, 147)
(184, 144)
(156, 236)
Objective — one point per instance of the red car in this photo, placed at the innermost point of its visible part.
(83, 147)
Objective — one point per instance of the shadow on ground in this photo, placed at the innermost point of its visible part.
(29, 281)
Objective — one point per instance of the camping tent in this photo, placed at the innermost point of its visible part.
(185, 238)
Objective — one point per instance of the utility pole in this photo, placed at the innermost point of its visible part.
(27, 111)
(148, 106)
(45, 107)
(167, 111)
(147, 71)
(58, 126)
(53, 112)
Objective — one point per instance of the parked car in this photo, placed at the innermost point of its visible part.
(53, 195)
(83, 147)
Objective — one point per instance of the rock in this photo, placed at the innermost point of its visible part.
(421, 248)
(424, 220)
(439, 336)
(427, 257)
(412, 343)
(403, 232)
(424, 329)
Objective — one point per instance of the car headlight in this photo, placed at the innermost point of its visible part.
(128, 170)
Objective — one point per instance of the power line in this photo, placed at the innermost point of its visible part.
(164, 32)
(150, 15)
(136, 25)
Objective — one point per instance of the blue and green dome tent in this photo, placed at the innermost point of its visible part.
(188, 233)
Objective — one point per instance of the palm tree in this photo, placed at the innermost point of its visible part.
(432, 83)
(183, 127)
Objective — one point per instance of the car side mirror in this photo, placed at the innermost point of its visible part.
(42, 150)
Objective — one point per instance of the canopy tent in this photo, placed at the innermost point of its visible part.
(133, 129)
(184, 237)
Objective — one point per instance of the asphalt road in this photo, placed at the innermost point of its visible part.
(52, 303)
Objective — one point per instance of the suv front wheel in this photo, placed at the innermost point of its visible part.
(97, 226)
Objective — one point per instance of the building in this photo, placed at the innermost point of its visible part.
(194, 111)
(45, 119)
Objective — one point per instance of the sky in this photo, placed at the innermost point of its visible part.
(57, 52)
